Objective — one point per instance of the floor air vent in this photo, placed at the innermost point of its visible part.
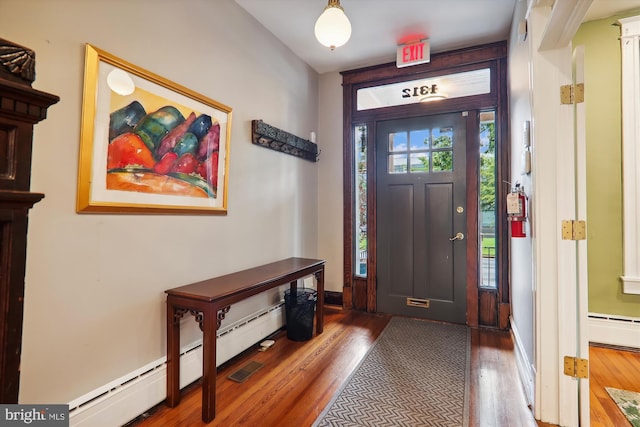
(245, 372)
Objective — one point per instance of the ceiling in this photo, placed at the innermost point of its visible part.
(378, 26)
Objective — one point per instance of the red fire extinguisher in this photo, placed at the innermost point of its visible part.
(517, 211)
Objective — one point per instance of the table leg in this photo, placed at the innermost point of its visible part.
(320, 303)
(210, 327)
(173, 355)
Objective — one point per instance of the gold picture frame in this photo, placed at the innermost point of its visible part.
(149, 145)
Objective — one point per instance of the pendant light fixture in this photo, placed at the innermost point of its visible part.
(333, 28)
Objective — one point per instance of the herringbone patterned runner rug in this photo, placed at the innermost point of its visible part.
(415, 375)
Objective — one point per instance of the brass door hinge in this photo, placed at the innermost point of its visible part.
(575, 367)
(572, 94)
(574, 230)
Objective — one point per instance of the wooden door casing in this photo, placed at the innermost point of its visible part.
(493, 56)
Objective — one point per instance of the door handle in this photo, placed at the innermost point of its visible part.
(458, 236)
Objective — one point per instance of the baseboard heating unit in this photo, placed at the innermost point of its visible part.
(126, 398)
(621, 331)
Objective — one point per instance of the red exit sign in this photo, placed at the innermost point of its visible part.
(413, 54)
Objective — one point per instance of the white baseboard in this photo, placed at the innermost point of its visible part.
(128, 397)
(621, 331)
(526, 370)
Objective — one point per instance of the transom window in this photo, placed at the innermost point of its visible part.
(448, 86)
(421, 151)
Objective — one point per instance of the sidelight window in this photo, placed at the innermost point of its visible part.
(360, 214)
(487, 214)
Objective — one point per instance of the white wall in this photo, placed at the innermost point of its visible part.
(94, 304)
(330, 188)
(521, 280)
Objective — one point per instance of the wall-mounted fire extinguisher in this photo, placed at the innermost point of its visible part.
(517, 211)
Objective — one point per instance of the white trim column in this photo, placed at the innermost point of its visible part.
(630, 44)
(556, 270)
(545, 81)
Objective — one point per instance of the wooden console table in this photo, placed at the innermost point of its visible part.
(210, 300)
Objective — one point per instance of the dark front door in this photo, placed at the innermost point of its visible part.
(421, 227)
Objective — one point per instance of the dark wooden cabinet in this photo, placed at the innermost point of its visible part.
(21, 107)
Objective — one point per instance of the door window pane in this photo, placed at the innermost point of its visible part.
(442, 161)
(443, 138)
(397, 142)
(420, 139)
(398, 163)
(420, 162)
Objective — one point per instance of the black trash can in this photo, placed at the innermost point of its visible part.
(300, 305)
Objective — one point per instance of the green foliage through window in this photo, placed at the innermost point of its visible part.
(488, 214)
(487, 166)
(360, 154)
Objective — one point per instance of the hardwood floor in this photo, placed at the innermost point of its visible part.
(300, 378)
(609, 367)
(497, 398)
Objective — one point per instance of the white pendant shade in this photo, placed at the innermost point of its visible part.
(333, 28)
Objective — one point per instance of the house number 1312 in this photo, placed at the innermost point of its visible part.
(419, 91)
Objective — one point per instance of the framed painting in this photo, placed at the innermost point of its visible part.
(149, 145)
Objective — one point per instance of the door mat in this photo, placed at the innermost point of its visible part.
(628, 402)
(245, 372)
(416, 374)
